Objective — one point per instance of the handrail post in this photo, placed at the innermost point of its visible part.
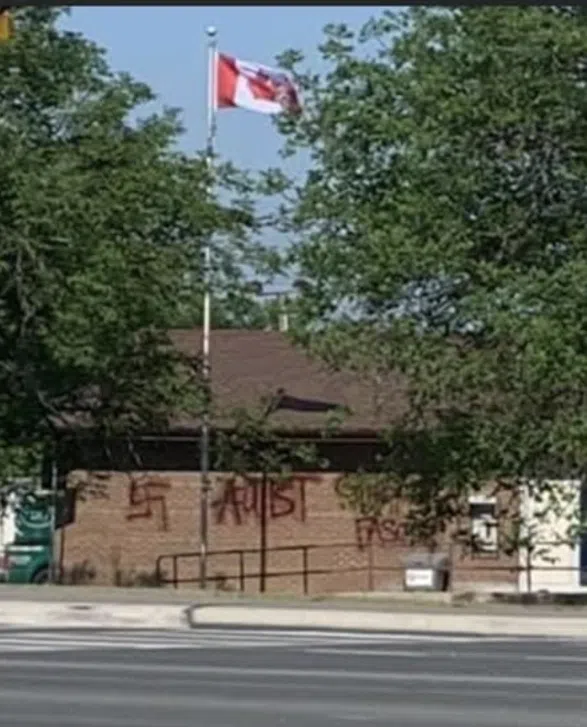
(241, 570)
(175, 574)
(305, 568)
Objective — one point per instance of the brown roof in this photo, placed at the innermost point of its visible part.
(248, 366)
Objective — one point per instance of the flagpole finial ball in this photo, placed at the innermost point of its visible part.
(211, 31)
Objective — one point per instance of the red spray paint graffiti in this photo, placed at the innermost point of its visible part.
(146, 498)
(242, 500)
(381, 531)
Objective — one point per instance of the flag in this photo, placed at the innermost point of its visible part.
(6, 26)
(245, 85)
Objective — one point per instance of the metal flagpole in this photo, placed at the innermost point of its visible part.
(205, 427)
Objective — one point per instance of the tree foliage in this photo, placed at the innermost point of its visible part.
(250, 446)
(102, 222)
(442, 230)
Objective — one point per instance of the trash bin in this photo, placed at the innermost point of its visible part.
(426, 572)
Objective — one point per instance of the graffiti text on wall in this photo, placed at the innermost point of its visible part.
(241, 501)
(381, 531)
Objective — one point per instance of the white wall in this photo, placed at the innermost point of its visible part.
(546, 525)
(7, 524)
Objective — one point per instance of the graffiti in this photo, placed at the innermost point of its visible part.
(242, 501)
(147, 499)
(381, 531)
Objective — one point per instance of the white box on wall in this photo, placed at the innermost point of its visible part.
(419, 578)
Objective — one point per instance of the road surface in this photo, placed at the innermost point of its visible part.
(270, 678)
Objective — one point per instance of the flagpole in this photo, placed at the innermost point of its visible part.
(205, 425)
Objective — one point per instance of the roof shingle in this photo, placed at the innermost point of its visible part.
(248, 366)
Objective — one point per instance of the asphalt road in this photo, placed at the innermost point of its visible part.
(270, 678)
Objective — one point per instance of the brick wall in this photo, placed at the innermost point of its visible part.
(130, 520)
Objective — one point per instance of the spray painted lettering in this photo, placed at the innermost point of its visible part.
(147, 499)
(242, 500)
(381, 531)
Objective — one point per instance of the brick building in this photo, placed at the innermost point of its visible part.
(285, 536)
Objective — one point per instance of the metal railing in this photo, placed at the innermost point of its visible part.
(242, 574)
(168, 566)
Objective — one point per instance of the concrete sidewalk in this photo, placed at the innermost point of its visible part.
(569, 626)
(53, 614)
(66, 607)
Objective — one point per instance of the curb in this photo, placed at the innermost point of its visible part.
(533, 626)
(49, 614)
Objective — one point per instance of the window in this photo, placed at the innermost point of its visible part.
(484, 526)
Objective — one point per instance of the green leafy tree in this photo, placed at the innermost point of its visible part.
(102, 222)
(442, 231)
(241, 308)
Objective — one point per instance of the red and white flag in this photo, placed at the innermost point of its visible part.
(240, 84)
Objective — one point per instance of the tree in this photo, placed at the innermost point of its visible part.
(241, 308)
(442, 231)
(102, 223)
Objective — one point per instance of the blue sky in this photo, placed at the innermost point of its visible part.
(166, 48)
